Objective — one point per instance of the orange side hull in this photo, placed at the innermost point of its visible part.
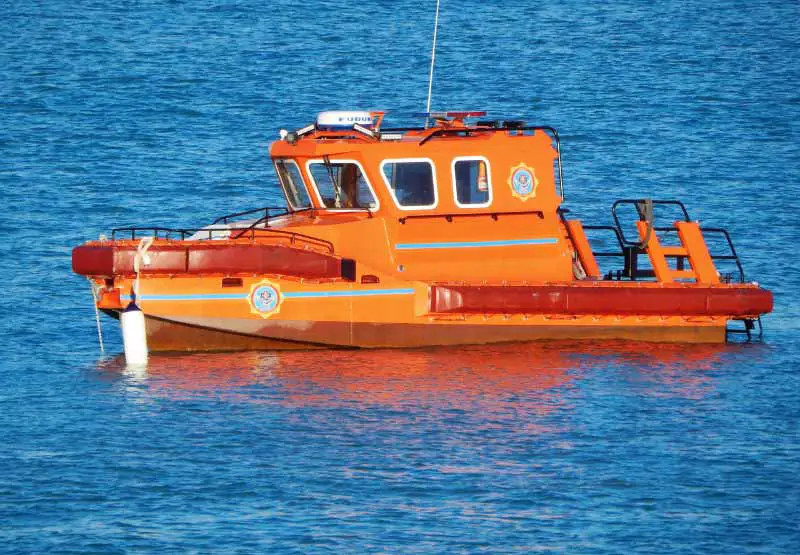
(169, 336)
(209, 316)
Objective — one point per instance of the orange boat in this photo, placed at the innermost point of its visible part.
(443, 234)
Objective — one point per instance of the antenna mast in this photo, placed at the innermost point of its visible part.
(433, 59)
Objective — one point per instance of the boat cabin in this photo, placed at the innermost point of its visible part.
(438, 202)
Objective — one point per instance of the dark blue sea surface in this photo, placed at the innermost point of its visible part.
(150, 112)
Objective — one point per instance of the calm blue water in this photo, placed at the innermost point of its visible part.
(117, 113)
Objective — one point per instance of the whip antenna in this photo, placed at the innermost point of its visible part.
(433, 59)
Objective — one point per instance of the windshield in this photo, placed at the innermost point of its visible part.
(342, 185)
(292, 184)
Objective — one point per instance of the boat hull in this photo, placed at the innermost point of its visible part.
(257, 312)
(165, 336)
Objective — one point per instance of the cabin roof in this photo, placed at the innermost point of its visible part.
(444, 125)
(452, 135)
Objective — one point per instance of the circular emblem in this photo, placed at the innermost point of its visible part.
(265, 298)
(523, 181)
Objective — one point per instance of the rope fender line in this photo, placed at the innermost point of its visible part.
(95, 290)
(141, 258)
(648, 214)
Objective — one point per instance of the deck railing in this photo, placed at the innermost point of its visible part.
(251, 232)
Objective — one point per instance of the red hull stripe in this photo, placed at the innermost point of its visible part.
(622, 300)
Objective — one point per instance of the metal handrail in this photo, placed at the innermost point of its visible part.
(449, 217)
(265, 209)
(251, 227)
(157, 232)
(616, 234)
(293, 237)
(636, 203)
(705, 230)
(721, 231)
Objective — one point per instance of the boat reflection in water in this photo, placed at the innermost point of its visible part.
(486, 378)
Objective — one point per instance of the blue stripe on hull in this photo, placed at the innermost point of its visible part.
(287, 295)
(363, 293)
(476, 244)
(201, 297)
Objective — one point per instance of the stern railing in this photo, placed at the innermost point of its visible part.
(629, 250)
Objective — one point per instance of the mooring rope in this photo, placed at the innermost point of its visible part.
(649, 217)
(140, 258)
(97, 317)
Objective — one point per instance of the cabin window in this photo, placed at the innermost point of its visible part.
(292, 184)
(342, 184)
(411, 182)
(472, 182)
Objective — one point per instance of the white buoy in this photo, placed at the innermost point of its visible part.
(134, 335)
